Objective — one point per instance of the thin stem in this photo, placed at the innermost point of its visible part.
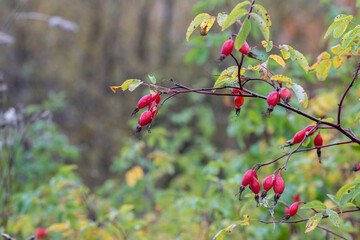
(239, 68)
(346, 91)
(329, 231)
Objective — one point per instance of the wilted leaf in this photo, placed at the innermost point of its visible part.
(314, 204)
(281, 78)
(243, 33)
(206, 25)
(264, 70)
(312, 223)
(278, 59)
(221, 17)
(334, 217)
(195, 23)
(300, 94)
(235, 14)
(130, 84)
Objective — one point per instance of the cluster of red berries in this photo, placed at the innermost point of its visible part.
(276, 182)
(238, 100)
(274, 97)
(147, 116)
(228, 47)
(291, 211)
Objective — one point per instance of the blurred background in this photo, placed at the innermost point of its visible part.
(57, 61)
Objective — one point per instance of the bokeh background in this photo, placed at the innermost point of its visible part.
(57, 61)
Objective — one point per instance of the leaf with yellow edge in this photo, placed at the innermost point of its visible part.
(313, 222)
(58, 227)
(195, 23)
(278, 59)
(235, 14)
(313, 66)
(337, 62)
(268, 45)
(322, 70)
(284, 53)
(226, 76)
(133, 175)
(244, 222)
(221, 17)
(206, 25)
(281, 78)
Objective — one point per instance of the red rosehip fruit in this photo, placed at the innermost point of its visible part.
(255, 188)
(268, 183)
(299, 136)
(246, 180)
(245, 48)
(235, 91)
(318, 142)
(285, 95)
(309, 128)
(293, 209)
(238, 101)
(153, 108)
(143, 102)
(156, 98)
(296, 198)
(272, 100)
(279, 186)
(144, 119)
(287, 211)
(226, 49)
(40, 233)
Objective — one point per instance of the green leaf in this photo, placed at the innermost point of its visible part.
(300, 58)
(337, 21)
(334, 217)
(243, 33)
(349, 37)
(284, 52)
(300, 94)
(289, 52)
(344, 199)
(231, 227)
(339, 30)
(221, 17)
(220, 235)
(314, 204)
(227, 76)
(235, 14)
(195, 23)
(261, 11)
(265, 30)
(152, 79)
(333, 198)
(345, 189)
(130, 84)
(312, 223)
(322, 70)
(281, 78)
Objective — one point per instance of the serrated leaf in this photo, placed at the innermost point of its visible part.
(337, 21)
(130, 84)
(278, 59)
(261, 11)
(345, 189)
(281, 78)
(242, 35)
(195, 23)
(334, 217)
(314, 204)
(220, 235)
(337, 62)
(235, 14)
(221, 17)
(265, 30)
(340, 29)
(300, 94)
(322, 70)
(206, 25)
(313, 222)
(333, 198)
(152, 79)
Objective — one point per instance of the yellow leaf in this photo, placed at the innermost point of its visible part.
(133, 175)
(206, 25)
(58, 227)
(114, 88)
(245, 222)
(328, 120)
(323, 55)
(195, 23)
(313, 66)
(281, 78)
(335, 48)
(322, 70)
(338, 61)
(313, 222)
(278, 59)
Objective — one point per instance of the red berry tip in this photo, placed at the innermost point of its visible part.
(245, 48)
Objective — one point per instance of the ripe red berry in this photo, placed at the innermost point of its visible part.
(153, 108)
(255, 188)
(293, 209)
(287, 211)
(235, 91)
(309, 128)
(285, 95)
(239, 101)
(143, 102)
(272, 100)
(226, 48)
(246, 180)
(144, 119)
(156, 98)
(279, 186)
(358, 168)
(299, 136)
(245, 48)
(296, 198)
(268, 183)
(318, 142)
(40, 232)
